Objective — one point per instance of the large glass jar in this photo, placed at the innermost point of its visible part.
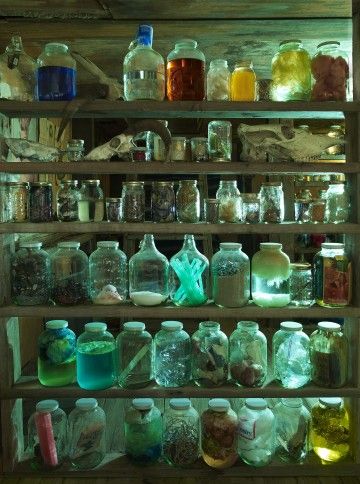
(230, 271)
(91, 202)
(133, 195)
(148, 274)
(301, 285)
(291, 72)
(87, 428)
(220, 140)
(40, 202)
(291, 355)
(67, 201)
(228, 194)
(16, 201)
(70, 274)
(163, 201)
(143, 432)
(181, 435)
(218, 81)
(248, 355)
(56, 363)
(329, 429)
(271, 202)
(30, 275)
(96, 357)
(243, 82)
(219, 430)
(188, 202)
(329, 350)
(256, 444)
(172, 355)
(185, 72)
(135, 352)
(270, 276)
(189, 275)
(337, 208)
(108, 274)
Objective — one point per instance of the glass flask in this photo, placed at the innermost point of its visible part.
(337, 207)
(292, 429)
(185, 72)
(114, 209)
(219, 433)
(108, 274)
(181, 433)
(178, 148)
(250, 208)
(230, 271)
(133, 195)
(143, 432)
(218, 81)
(270, 276)
(272, 205)
(91, 202)
(70, 274)
(56, 364)
(248, 355)
(87, 428)
(220, 140)
(188, 202)
(230, 209)
(332, 276)
(40, 202)
(148, 275)
(199, 149)
(172, 355)
(135, 352)
(210, 355)
(163, 201)
(291, 355)
(67, 200)
(47, 435)
(243, 82)
(301, 285)
(96, 357)
(55, 74)
(189, 275)
(256, 445)
(291, 72)
(143, 69)
(75, 150)
(329, 350)
(30, 275)
(329, 429)
(17, 201)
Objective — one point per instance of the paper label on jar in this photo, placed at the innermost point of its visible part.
(246, 428)
(337, 280)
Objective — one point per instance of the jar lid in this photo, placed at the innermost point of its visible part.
(230, 246)
(218, 62)
(243, 63)
(328, 42)
(256, 403)
(133, 183)
(56, 324)
(329, 326)
(90, 182)
(85, 404)
(16, 184)
(180, 403)
(69, 182)
(270, 245)
(95, 327)
(290, 41)
(248, 325)
(114, 199)
(209, 325)
(331, 402)
(250, 197)
(46, 406)
(213, 201)
(163, 183)
(31, 245)
(136, 326)
(143, 403)
(219, 404)
(271, 184)
(40, 184)
(300, 266)
(69, 245)
(332, 245)
(56, 46)
(75, 143)
(172, 325)
(291, 326)
(109, 244)
(291, 402)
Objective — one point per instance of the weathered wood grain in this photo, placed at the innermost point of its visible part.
(47, 9)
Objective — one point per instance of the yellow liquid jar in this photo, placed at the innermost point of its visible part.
(243, 82)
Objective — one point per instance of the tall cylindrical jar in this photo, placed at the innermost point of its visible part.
(40, 202)
(133, 195)
(337, 207)
(218, 81)
(15, 201)
(230, 204)
(220, 140)
(67, 201)
(243, 82)
(91, 202)
(301, 285)
(272, 205)
(163, 201)
(188, 202)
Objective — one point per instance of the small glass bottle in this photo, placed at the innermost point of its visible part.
(272, 205)
(230, 209)
(87, 429)
(211, 210)
(218, 81)
(250, 208)
(301, 285)
(133, 195)
(220, 140)
(75, 150)
(188, 202)
(172, 355)
(67, 200)
(40, 202)
(163, 201)
(16, 201)
(243, 82)
(337, 208)
(91, 202)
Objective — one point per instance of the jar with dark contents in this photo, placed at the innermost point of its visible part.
(18, 197)
(188, 202)
(163, 201)
(40, 202)
(271, 202)
(133, 195)
(67, 201)
(250, 208)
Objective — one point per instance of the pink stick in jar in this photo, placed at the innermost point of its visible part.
(45, 433)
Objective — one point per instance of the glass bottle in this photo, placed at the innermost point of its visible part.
(219, 430)
(248, 355)
(243, 82)
(143, 69)
(148, 274)
(256, 445)
(291, 355)
(172, 355)
(181, 433)
(218, 81)
(108, 274)
(56, 365)
(133, 195)
(302, 210)
(75, 150)
(163, 201)
(189, 275)
(337, 208)
(15, 200)
(188, 202)
(329, 350)
(155, 145)
(67, 201)
(143, 432)
(55, 74)
(70, 274)
(91, 202)
(329, 429)
(185, 72)
(96, 357)
(230, 209)
(272, 205)
(30, 275)
(301, 285)
(220, 140)
(230, 271)
(270, 276)
(250, 208)
(40, 202)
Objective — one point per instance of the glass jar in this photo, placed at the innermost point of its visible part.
(135, 355)
(230, 209)
(87, 439)
(143, 432)
(40, 202)
(188, 202)
(218, 81)
(114, 209)
(337, 133)
(301, 285)
(220, 140)
(329, 350)
(291, 72)
(172, 345)
(211, 210)
(181, 436)
(248, 355)
(150, 144)
(163, 201)
(139, 153)
(133, 195)
(332, 276)
(55, 74)
(91, 202)
(219, 430)
(243, 82)
(70, 274)
(199, 149)
(210, 355)
(302, 210)
(330, 69)
(317, 210)
(256, 445)
(189, 275)
(96, 357)
(17, 201)
(263, 89)
(270, 276)
(337, 208)
(291, 355)
(250, 208)
(272, 205)
(178, 148)
(292, 430)
(330, 430)
(5, 203)
(75, 150)
(108, 274)
(67, 201)
(148, 275)
(30, 275)
(185, 72)
(56, 364)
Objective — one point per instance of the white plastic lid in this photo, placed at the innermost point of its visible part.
(230, 246)
(109, 244)
(31, 245)
(172, 325)
(46, 406)
(270, 245)
(332, 245)
(292, 402)
(69, 245)
(256, 403)
(331, 402)
(329, 326)
(180, 403)
(57, 324)
(95, 327)
(86, 404)
(143, 403)
(219, 404)
(291, 326)
(134, 326)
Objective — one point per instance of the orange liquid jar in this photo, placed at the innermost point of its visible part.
(243, 82)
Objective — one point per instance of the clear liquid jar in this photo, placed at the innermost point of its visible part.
(40, 202)
(301, 285)
(230, 208)
(163, 202)
(218, 81)
(220, 140)
(91, 202)
(337, 207)
(133, 195)
(250, 208)
(67, 201)
(17, 201)
(243, 82)
(272, 205)
(188, 202)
